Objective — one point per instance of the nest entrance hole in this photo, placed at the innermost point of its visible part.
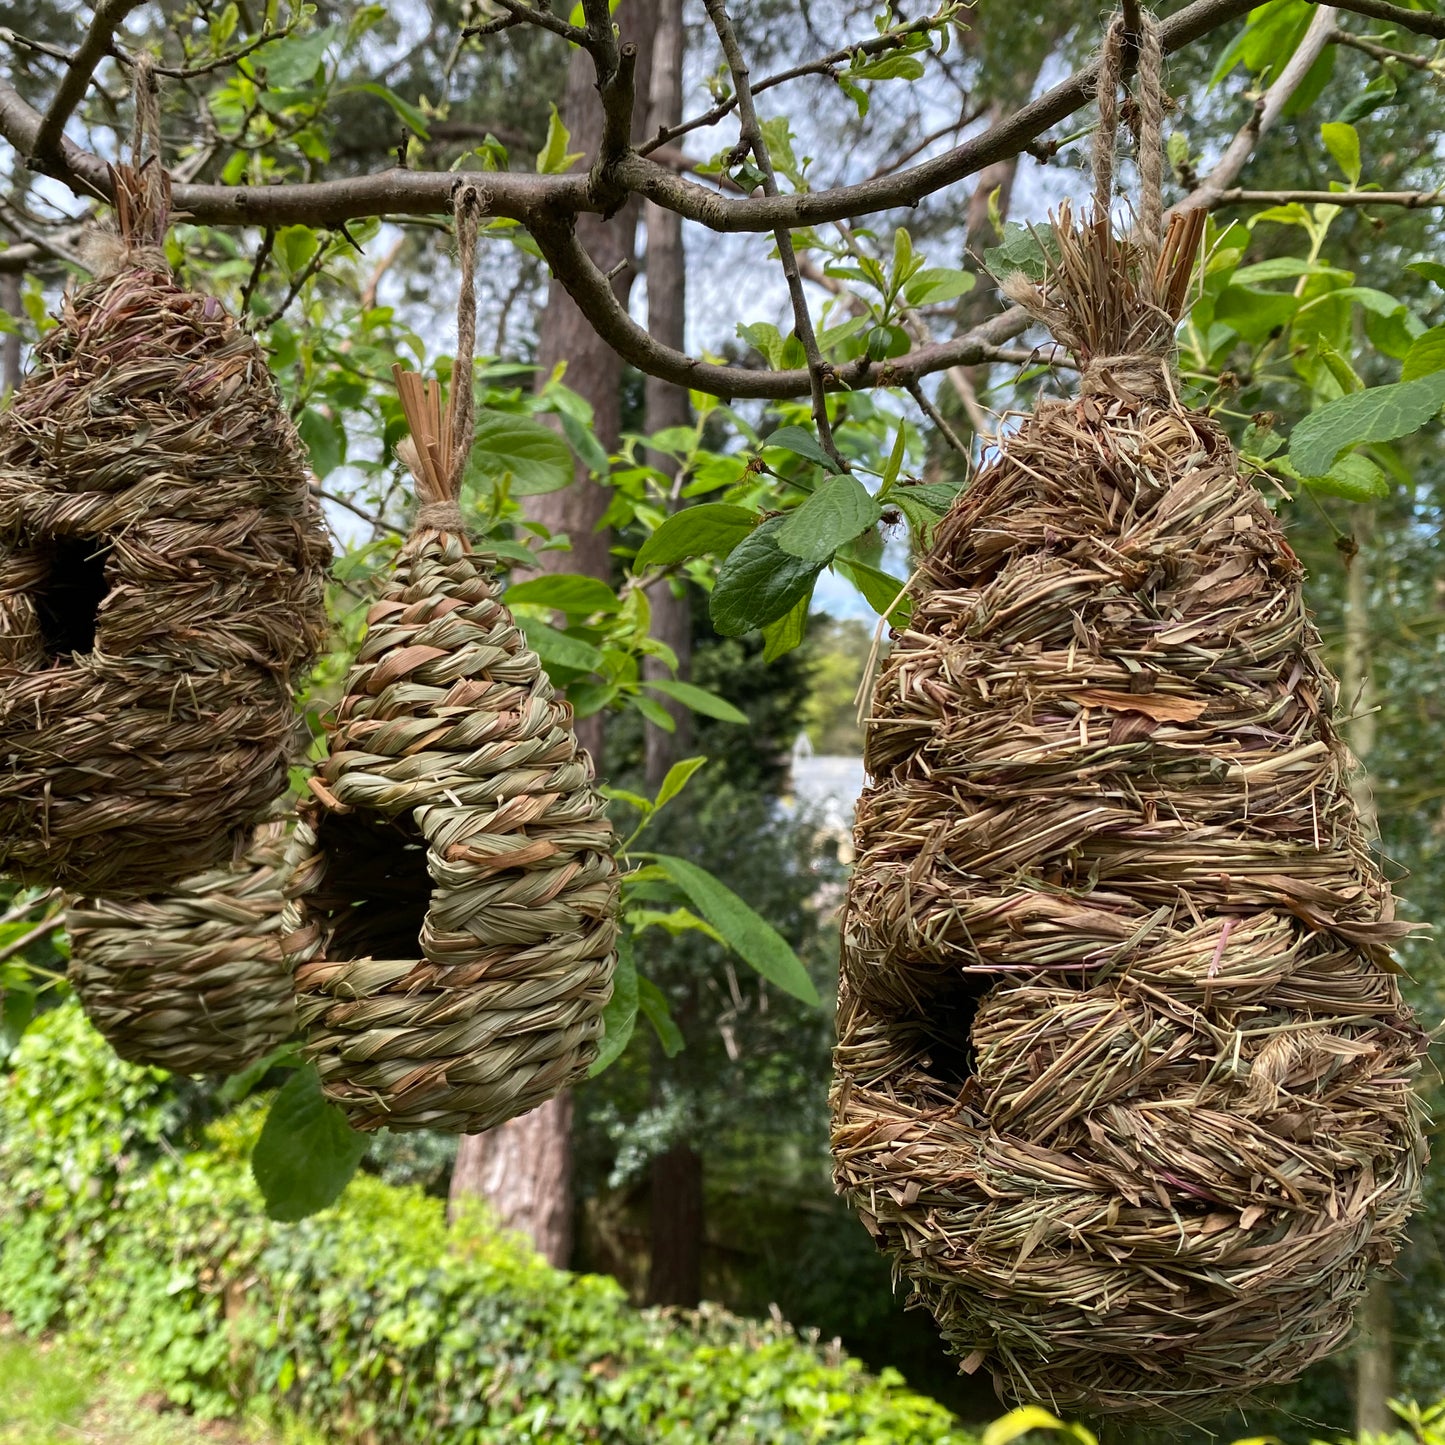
(67, 600)
(942, 1029)
(376, 890)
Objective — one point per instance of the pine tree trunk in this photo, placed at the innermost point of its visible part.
(524, 1172)
(524, 1167)
(1374, 1348)
(667, 405)
(677, 1228)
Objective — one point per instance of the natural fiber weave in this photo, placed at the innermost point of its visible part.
(455, 891)
(1123, 1081)
(161, 576)
(193, 980)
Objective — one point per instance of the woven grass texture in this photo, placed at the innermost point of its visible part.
(192, 980)
(455, 889)
(1123, 1081)
(161, 580)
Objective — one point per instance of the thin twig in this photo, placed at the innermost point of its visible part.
(1431, 66)
(41, 930)
(258, 264)
(377, 523)
(45, 154)
(1410, 200)
(750, 138)
(221, 62)
(312, 267)
(823, 65)
(19, 910)
(1422, 22)
(941, 422)
(520, 13)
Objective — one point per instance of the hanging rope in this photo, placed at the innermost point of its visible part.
(142, 190)
(441, 436)
(1148, 126)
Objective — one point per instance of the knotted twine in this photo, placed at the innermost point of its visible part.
(191, 980)
(1123, 1082)
(453, 911)
(162, 566)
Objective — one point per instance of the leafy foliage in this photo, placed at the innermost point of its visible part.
(371, 1319)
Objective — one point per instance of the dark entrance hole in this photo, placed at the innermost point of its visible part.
(376, 890)
(67, 602)
(938, 1029)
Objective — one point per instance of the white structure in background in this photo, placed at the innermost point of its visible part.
(825, 788)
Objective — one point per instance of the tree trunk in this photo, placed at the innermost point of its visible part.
(524, 1172)
(677, 1228)
(524, 1167)
(667, 405)
(12, 305)
(1375, 1345)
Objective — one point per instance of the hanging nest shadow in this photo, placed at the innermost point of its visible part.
(161, 580)
(192, 980)
(1124, 1077)
(453, 921)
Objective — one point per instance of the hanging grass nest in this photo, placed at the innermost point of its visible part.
(192, 980)
(161, 575)
(454, 913)
(1124, 1078)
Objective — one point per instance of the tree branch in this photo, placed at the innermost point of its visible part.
(1409, 200)
(45, 151)
(1384, 52)
(874, 45)
(1267, 111)
(1422, 22)
(750, 138)
(520, 13)
(523, 197)
(590, 289)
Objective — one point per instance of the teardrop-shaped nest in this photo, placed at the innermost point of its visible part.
(193, 980)
(454, 889)
(1124, 1077)
(162, 566)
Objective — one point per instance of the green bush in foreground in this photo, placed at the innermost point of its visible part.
(371, 1319)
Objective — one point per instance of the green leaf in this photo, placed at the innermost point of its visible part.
(936, 497)
(881, 589)
(1018, 1423)
(676, 780)
(838, 511)
(801, 442)
(1030, 249)
(699, 699)
(754, 939)
(1342, 141)
(1425, 356)
(307, 1152)
(654, 1006)
(17, 1008)
(1430, 270)
(555, 157)
(894, 465)
(292, 62)
(1380, 91)
(765, 339)
(707, 529)
(568, 592)
(654, 712)
(585, 444)
(241, 1085)
(785, 633)
(529, 457)
(408, 114)
(557, 648)
(619, 1018)
(325, 441)
(759, 582)
(1353, 477)
(938, 283)
(1378, 415)
(890, 65)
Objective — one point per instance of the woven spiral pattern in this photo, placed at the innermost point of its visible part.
(192, 980)
(1123, 1075)
(161, 584)
(454, 891)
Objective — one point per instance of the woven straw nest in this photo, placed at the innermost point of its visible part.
(161, 576)
(455, 890)
(192, 980)
(1124, 1075)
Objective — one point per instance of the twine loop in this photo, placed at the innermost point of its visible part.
(1131, 376)
(1146, 119)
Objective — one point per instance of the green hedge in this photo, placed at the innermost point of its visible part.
(372, 1320)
